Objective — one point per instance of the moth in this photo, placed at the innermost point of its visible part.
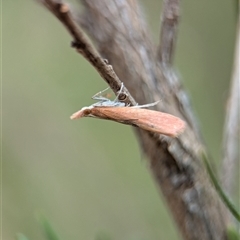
(150, 120)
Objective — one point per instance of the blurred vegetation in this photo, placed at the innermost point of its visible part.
(88, 176)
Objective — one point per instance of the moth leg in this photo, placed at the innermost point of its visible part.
(98, 96)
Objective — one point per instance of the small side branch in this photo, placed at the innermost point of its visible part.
(168, 35)
(232, 123)
(83, 45)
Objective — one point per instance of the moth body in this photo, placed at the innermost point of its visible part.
(153, 121)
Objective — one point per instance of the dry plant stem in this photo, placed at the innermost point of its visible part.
(169, 27)
(84, 47)
(120, 32)
(230, 164)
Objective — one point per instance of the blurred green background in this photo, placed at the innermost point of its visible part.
(88, 176)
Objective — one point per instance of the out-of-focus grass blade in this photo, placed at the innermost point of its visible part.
(48, 229)
(232, 233)
(219, 189)
(102, 235)
(20, 236)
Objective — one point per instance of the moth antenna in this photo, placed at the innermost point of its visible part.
(146, 105)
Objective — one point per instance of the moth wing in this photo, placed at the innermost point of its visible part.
(154, 121)
(159, 122)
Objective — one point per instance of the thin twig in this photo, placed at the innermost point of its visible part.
(169, 30)
(85, 48)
